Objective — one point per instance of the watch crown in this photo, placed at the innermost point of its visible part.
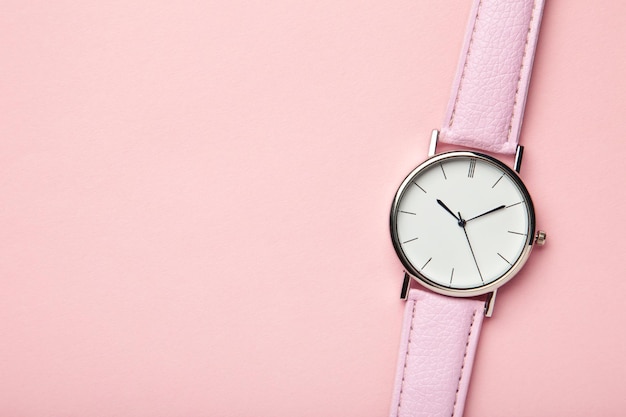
(540, 238)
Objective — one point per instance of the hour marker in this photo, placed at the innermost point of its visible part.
(427, 262)
(415, 184)
(496, 183)
(472, 168)
(407, 212)
(451, 275)
(515, 204)
(517, 233)
(505, 260)
(470, 174)
(444, 172)
(410, 240)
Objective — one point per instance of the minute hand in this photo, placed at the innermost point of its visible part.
(485, 213)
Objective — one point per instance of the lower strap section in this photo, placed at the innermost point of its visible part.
(437, 349)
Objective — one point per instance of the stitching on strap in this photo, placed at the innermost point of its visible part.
(458, 387)
(406, 355)
(469, 49)
(519, 79)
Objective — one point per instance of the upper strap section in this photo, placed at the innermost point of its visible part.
(488, 97)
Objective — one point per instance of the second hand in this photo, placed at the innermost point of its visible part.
(461, 221)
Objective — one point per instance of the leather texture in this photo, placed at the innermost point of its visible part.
(437, 349)
(488, 97)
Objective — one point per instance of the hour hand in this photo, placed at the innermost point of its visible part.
(442, 204)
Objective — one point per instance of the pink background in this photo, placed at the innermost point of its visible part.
(194, 204)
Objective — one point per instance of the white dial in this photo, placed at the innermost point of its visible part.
(462, 222)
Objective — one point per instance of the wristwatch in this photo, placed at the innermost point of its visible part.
(463, 222)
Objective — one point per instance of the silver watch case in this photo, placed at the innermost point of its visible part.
(469, 292)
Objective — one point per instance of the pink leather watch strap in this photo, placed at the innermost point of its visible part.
(489, 91)
(437, 348)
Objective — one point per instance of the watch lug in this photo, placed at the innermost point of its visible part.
(406, 286)
(490, 303)
(432, 148)
(519, 153)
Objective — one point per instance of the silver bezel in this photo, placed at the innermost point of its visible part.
(468, 292)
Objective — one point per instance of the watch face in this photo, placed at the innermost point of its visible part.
(462, 223)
